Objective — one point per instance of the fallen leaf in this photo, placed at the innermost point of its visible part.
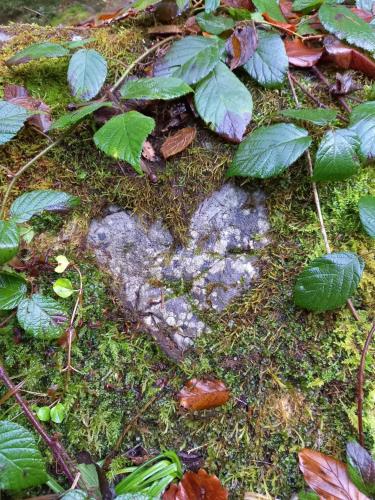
(286, 7)
(288, 27)
(241, 45)
(347, 57)
(178, 142)
(191, 26)
(148, 151)
(344, 84)
(165, 29)
(327, 477)
(301, 55)
(17, 94)
(203, 394)
(197, 486)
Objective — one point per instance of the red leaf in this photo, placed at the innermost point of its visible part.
(197, 486)
(347, 57)
(178, 142)
(278, 24)
(238, 4)
(300, 55)
(241, 45)
(203, 394)
(19, 95)
(327, 477)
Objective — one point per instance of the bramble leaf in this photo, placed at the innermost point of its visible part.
(70, 119)
(9, 240)
(37, 51)
(214, 24)
(87, 72)
(362, 121)
(41, 317)
(318, 116)
(12, 118)
(271, 7)
(367, 214)
(159, 87)
(13, 290)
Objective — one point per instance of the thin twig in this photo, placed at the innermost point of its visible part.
(360, 384)
(324, 80)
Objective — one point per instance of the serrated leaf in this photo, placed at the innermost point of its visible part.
(343, 23)
(338, 156)
(34, 202)
(58, 413)
(211, 5)
(87, 72)
(41, 317)
(21, 463)
(362, 122)
(306, 6)
(328, 282)
(191, 58)
(268, 151)
(269, 64)
(214, 24)
(76, 116)
(271, 7)
(37, 51)
(9, 240)
(224, 103)
(63, 288)
(12, 118)
(44, 414)
(159, 87)
(361, 468)
(13, 289)
(319, 116)
(123, 136)
(367, 214)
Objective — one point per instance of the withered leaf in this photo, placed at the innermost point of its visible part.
(241, 45)
(288, 27)
(178, 142)
(286, 7)
(344, 84)
(197, 486)
(191, 26)
(203, 394)
(148, 151)
(327, 477)
(17, 94)
(301, 55)
(347, 57)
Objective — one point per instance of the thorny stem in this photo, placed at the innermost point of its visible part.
(317, 199)
(360, 384)
(61, 456)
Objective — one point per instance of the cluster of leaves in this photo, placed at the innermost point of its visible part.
(39, 315)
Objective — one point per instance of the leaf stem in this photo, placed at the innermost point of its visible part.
(360, 384)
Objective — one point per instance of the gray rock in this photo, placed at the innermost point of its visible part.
(167, 288)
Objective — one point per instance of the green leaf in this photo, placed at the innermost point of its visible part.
(367, 214)
(58, 413)
(63, 288)
(160, 87)
(211, 5)
(319, 116)
(75, 495)
(269, 64)
(362, 122)
(37, 51)
(305, 27)
(191, 58)
(34, 202)
(90, 476)
(21, 463)
(41, 317)
(224, 103)
(338, 156)
(361, 468)
(44, 414)
(9, 240)
(343, 23)
(271, 7)
(122, 137)
(77, 44)
(62, 262)
(308, 495)
(214, 24)
(268, 151)
(12, 118)
(328, 282)
(239, 14)
(87, 72)
(363, 111)
(143, 4)
(306, 6)
(70, 119)
(13, 290)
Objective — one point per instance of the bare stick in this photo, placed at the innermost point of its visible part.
(360, 384)
(324, 80)
(61, 456)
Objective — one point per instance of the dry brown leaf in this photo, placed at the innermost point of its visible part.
(203, 394)
(347, 57)
(301, 55)
(178, 142)
(148, 151)
(279, 24)
(191, 26)
(165, 29)
(17, 94)
(327, 477)
(286, 7)
(241, 45)
(197, 486)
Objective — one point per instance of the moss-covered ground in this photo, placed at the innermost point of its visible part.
(291, 374)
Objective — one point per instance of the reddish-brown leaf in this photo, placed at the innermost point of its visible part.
(301, 55)
(178, 142)
(363, 14)
(286, 7)
(203, 394)
(347, 57)
(20, 96)
(238, 4)
(327, 477)
(289, 28)
(241, 45)
(165, 29)
(197, 486)
(191, 26)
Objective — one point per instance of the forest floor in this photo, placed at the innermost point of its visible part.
(291, 374)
